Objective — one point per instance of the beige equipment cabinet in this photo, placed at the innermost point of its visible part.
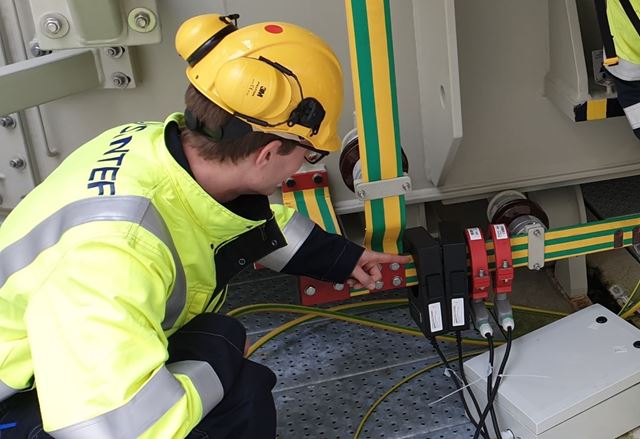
(485, 91)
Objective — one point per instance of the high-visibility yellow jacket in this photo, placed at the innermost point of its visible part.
(117, 249)
(626, 41)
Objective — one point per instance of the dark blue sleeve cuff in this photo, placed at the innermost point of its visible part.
(325, 256)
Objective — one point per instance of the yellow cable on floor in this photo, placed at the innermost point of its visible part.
(631, 311)
(286, 326)
(400, 383)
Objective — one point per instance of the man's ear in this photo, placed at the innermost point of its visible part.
(267, 153)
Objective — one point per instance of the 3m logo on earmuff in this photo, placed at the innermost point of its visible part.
(261, 91)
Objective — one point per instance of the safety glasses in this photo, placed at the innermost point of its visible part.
(313, 155)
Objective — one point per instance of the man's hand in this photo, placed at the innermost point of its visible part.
(367, 271)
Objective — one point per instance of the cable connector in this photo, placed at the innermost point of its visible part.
(504, 313)
(481, 318)
(507, 434)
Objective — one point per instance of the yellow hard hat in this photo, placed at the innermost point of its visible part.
(277, 77)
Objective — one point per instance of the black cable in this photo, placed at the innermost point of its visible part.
(494, 419)
(444, 360)
(494, 392)
(464, 380)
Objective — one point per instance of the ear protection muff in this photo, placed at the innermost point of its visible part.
(309, 112)
(254, 88)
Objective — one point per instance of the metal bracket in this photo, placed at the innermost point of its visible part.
(535, 256)
(74, 24)
(373, 190)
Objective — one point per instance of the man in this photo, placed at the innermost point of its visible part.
(619, 22)
(112, 269)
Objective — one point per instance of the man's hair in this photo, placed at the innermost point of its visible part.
(212, 116)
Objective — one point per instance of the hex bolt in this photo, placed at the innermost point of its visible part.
(338, 287)
(53, 25)
(37, 51)
(394, 266)
(310, 291)
(7, 122)
(114, 52)
(17, 163)
(396, 281)
(142, 20)
(379, 285)
(120, 80)
(362, 194)
(317, 178)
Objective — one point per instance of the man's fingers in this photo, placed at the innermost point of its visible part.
(387, 258)
(370, 257)
(375, 273)
(363, 278)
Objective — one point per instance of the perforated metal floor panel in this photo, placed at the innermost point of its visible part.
(330, 373)
(613, 198)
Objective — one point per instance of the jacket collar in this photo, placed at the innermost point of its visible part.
(218, 219)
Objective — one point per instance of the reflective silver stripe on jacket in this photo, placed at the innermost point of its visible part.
(633, 115)
(205, 380)
(625, 70)
(135, 417)
(296, 232)
(6, 391)
(138, 210)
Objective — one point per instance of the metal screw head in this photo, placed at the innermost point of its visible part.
(338, 287)
(379, 285)
(142, 20)
(310, 291)
(17, 163)
(396, 281)
(406, 186)
(505, 264)
(536, 266)
(394, 266)
(481, 273)
(115, 51)
(37, 51)
(120, 80)
(53, 25)
(242, 261)
(290, 182)
(317, 178)
(7, 122)
(536, 232)
(362, 194)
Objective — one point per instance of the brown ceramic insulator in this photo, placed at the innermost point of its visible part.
(349, 157)
(513, 209)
